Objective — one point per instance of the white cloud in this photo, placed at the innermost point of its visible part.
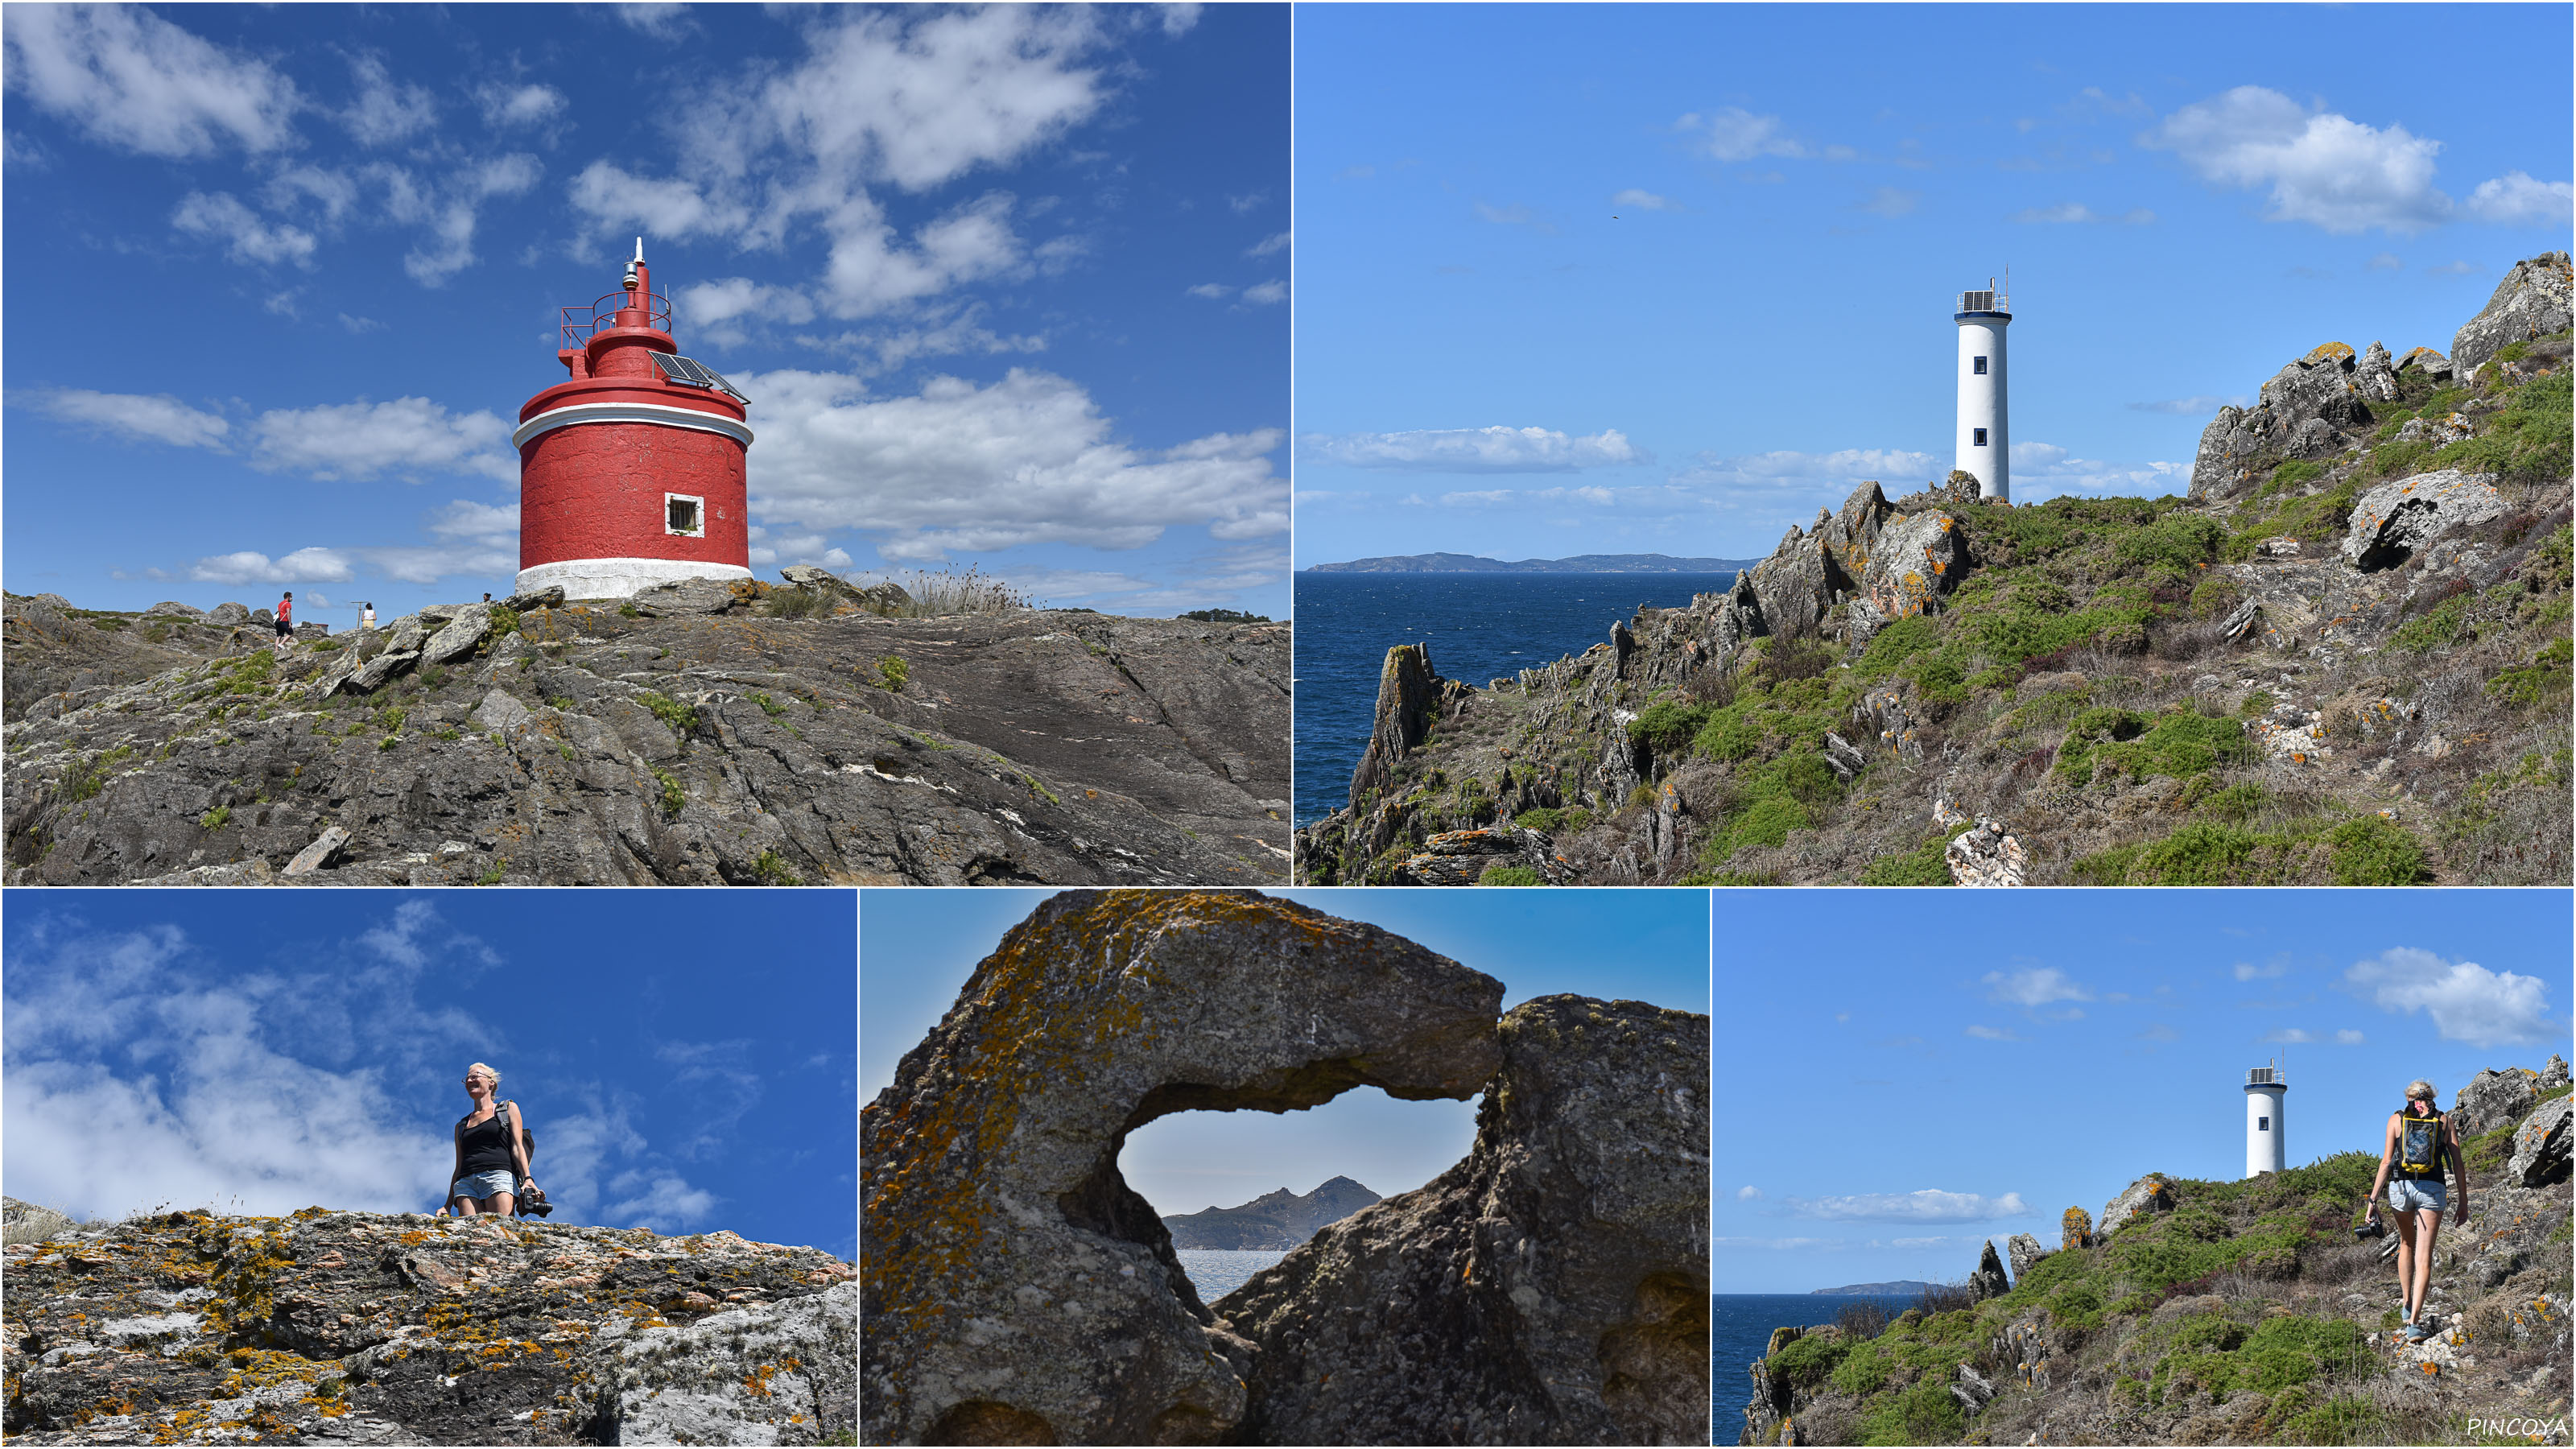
(2248, 971)
(1991, 1033)
(2515, 198)
(1022, 460)
(133, 80)
(384, 111)
(408, 438)
(2384, 262)
(2468, 1003)
(2348, 1038)
(1213, 291)
(475, 540)
(2036, 987)
(1263, 294)
(1246, 202)
(160, 418)
(449, 207)
(305, 565)
(2076, 212)
(335, 190)
(1473, 450)
(939, 330)
(1929, 1205)
(249, 240)
(1889, 202)
(511, 105)
(1735, 134)
(1747, 1193)
(2040, 469)
(2321, 168)
(1278, 241)
(662, 21)
(728, 311)
(1840, 470)
(359, 326)
(911, 99)
(1634, 200)
(662, 1201)
(2290, 1036)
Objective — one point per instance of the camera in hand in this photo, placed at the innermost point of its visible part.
(534, 1204)
(2372, 1229)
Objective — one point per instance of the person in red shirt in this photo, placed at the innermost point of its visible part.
(286, 620)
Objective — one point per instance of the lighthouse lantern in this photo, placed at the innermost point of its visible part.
(631, 473)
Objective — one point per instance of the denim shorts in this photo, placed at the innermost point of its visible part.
(2406, 1194)
(484, 1184)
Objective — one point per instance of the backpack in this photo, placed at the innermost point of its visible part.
(2419, 1145)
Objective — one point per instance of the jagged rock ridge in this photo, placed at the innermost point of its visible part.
(401, 1328)
(689, 741)
(1016, 1290)
(2342, 660)
(1274, 1220)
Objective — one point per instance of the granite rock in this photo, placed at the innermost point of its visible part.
(2540, 1145)
(2147, 1195)
(1989, 1280)
(2493, 1099)
(2394, 519)
(1550, 1289)
(1015, 1288)
(2025, 1253)
(2532, 301)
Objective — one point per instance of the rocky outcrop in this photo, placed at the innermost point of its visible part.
(1015, 1287)
(578, 745)
(1550, 1289)
(2532, 301)
(1985, 855)
(2025, 1252)
(2494, 1098)
(1275, 1220)
(1409, 694)
(2141, 1199)
(406, 1329)
(2393, 520)
(1461, 857)
(1988, 1281)
(2075, 1229)
(2312, 408)
(2540, 1146)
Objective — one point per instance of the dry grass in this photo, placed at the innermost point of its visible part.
(954, 591)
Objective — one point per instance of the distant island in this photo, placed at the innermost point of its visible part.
(1582, 563)
(1274, 1220)
(1902, 1287)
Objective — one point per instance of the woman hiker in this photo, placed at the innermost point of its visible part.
(491, 1151)
(2419, 1142)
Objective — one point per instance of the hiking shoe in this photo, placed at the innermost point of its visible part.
(2418, 1332)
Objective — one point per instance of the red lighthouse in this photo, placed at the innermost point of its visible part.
(630, 474)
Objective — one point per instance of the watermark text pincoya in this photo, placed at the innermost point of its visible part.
(2539, 1430)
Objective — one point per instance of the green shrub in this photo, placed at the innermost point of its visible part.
(1940, 680)
(2374, 851)
(770, 869)
(673, 797)
(491, 877)
(1730, 734)
(768, 706)
(1766, 821)
(892, 672)
(2546, 680)
(505, 622)
(2185, 540)
(681, 718)
(1899, 641)
(1667, 726)
(1508, 875)
(1808, 1360)
(1923, 866)
(2438, 629)
(1546, 818)
(84, 780)
(2215, 597)
(214, 819)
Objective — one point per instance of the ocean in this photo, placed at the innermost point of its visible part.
(1479, 626)
(1739, 1328)
(1215, 1272)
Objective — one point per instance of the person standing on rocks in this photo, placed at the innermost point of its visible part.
(286, 619)
(367, 615)
(2420, 1141)
(491, 1172)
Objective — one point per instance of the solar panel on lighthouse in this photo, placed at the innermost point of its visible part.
(692, 374)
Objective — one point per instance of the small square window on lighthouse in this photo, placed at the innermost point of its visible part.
(2262, 1124)
(1981, 436)
(684, 516)
(1981, 367)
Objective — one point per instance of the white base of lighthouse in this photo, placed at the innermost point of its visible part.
(620, 578)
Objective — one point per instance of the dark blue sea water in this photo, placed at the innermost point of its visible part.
(1215, 1272)
(1739, 1328)
(1479, 626)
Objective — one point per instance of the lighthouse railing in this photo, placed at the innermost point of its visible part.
(2266, 1077)
(579, 322)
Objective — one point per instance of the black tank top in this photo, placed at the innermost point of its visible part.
(487, 1145)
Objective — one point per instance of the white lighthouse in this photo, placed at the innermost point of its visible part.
(1985, 427)
(2265, 1089)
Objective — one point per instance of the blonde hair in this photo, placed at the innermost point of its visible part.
(486, 1069)
(2420, 1090)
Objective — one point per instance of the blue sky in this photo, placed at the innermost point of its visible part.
(2188, 197)
(917, 949)
(1006, 287)
(684, 1058)
(1915, 1080)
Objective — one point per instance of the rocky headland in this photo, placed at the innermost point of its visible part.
(397, 1328)
(1273, 1221)
(1549, 1289)
(2244, 1312)
(2343, 658)
(699, 734)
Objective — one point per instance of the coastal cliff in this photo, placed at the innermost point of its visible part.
(401, 1328)
(1016, 1290)
(1274, 1220)
(701, 735)
(2343, 658)
(2226, 1312)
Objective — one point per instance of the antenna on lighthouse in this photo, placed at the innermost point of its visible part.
(633, 266)
(639, 249)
